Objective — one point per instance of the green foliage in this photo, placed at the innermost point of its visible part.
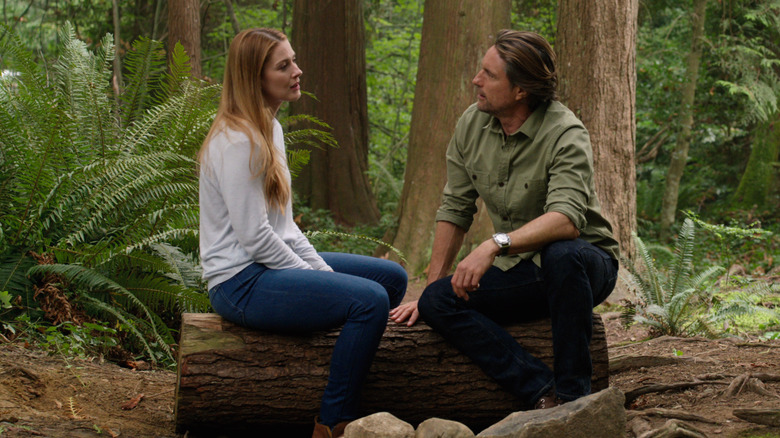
(746, 50)
(673, 299)
(316, 235)
(393, 32)
(671, 302)
(318, 135)
(733, 241)
(747, 309)
(326, 236)
(737, 88)
(105, 183)
(540, 16)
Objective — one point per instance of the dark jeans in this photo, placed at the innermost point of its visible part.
(575, 277)
(357, 296)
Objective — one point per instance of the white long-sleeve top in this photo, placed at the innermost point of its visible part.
(237, 225)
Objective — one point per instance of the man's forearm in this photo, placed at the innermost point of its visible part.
(549, 227)
(446, 243)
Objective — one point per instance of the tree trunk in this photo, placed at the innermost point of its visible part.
(184, 27)
(117, 45)
(596, 48)
(330, 44)
(232, 14)
(680, 153)
(757, 180)
(233, 378)
(455, 37)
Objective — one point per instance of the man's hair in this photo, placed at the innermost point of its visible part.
(530, 64)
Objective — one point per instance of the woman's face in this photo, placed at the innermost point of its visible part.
(281, 76)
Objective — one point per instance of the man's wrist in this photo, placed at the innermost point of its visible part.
(502, 243)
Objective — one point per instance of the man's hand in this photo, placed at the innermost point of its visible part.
(471, 269)
(404, 312)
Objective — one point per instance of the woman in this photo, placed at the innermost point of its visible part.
(261, 270)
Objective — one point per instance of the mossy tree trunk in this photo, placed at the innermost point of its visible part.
(762, 167)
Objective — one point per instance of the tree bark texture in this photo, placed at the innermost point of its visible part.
(680, 153)
(184, 27)
(455, 37)
(233, 378)
(329, 40)
(596, 50)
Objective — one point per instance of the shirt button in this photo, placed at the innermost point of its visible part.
(526, 185)
(505, 218)
(501, 184)
(474, 177)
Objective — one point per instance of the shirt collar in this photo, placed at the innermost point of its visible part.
(530, 127)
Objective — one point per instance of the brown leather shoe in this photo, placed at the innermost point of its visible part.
(323, 431)
(547, 401)
(338, 430)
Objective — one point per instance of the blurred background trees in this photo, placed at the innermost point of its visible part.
(680, 98)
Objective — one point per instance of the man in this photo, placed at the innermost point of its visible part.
(530, 159)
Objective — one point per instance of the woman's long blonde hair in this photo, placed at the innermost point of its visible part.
(243, 108)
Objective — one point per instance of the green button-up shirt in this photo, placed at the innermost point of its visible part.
(546, 165)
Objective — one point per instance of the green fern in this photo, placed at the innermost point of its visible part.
(757, 304)
(314, 235)
(108, 185)
(673, 302)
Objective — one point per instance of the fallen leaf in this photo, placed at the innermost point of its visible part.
(133, 402)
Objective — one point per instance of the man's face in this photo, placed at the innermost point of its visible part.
(495, 94)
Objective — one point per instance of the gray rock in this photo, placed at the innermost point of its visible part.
(439, 428)
(599, 415)
(379, 425)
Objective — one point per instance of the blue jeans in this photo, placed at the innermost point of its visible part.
(575, 277)
(357, 296)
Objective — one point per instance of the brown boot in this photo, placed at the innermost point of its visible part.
(338, 430)
(323, 431)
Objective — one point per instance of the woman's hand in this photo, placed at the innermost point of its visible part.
(404, 312)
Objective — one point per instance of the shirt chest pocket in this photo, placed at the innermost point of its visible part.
(528, 198)
(481, 181)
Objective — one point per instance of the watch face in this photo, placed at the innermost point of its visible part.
(501, 239)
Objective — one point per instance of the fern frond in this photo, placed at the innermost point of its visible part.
(178, 73)
(95, 282)
(126, 319)
(145, 64)
(297, 159)
(185, 269)
(682, 264)
(314, 234)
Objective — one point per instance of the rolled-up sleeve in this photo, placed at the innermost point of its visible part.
(459, 196)
(570, 176)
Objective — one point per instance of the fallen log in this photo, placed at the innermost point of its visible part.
(231, 378)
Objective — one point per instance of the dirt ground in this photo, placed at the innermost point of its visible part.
(53, 396)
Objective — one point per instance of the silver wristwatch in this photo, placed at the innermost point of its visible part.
(503, 241)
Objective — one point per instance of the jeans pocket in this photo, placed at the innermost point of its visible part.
(224, 306)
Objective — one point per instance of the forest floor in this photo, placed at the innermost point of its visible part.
(54, 396)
